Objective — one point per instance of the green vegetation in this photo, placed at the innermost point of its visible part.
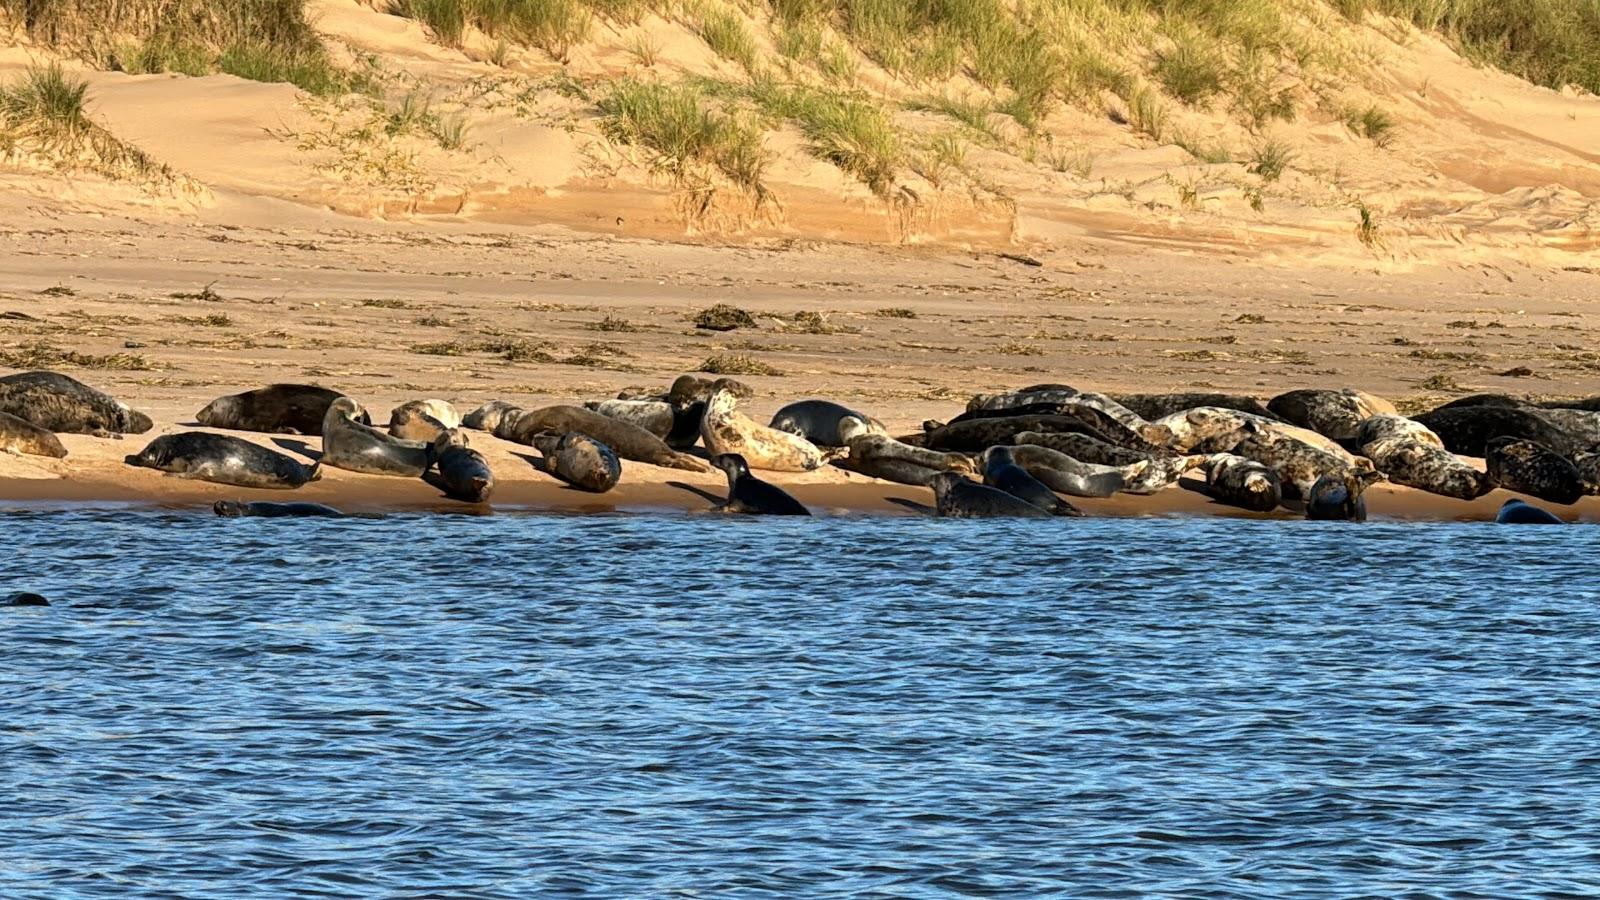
(551, 25)
(682, 131)
(42, 112)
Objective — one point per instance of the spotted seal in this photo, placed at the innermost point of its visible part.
(1212, 429)
(1409, 454)
(21, 436)
(1588, 465)
(274, 409)
(824, 423)
(1338, 496)
(1516, 512)
(881, 456)
(958, 497)
(1083, 448)
(490, 416)
(223, 459)
(978, 435)
(654, 416)
(1299, 465)
(61, 404)
(1099, 410)
(1158, 406)
(1528, 467)
(726, 430)
(578, 460)
(1000, 470)
(348, 444)
(459, 471)
(749, 494)
(1468, 430)
(626, 440)
(1241, 482)
(1334, 414)
(233, 509)
(1062, 473)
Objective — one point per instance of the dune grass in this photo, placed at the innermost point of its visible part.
(680, 128)
(44, 112)
(551, 25)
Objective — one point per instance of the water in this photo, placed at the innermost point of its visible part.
(646, 706)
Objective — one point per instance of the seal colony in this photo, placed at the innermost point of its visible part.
(1023, 453)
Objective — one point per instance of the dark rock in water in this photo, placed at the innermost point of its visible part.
(1516, 512)
(25, 599)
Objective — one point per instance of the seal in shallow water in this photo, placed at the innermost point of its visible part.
(233, 509)
(726, 430)
(457, 469)
(1338, 497)
(749, 494)
(348, 444)
(1516, 512)
(223, 459)
(1000, 470)
(958, 497)
(1528, 467)
(1241, 482)
(21, 436)
(274, 409)
(61, 404)
(825, 423)
(579, 460)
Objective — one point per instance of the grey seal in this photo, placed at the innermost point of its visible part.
(1334, 414)
(61, 404)
(274, 409)
(1299, 465)
(1060, 472)
(626, 440)
(458, 470)
(348, 444)
(223, 459)
(881, 456)
(1338, 497)
(1245, 483)
(422, 420)
(1468, 430)
(24, 598)
(749, 494)
(726, 430)
(825, 423)
(958, 497)
(233, 509)
(1409, 454)
(1516, 512)
(978, 435)
(1104, 413)
(1000, 470)
(1159, 406)
(1528, 467)
(1083, 448)
(654, 416)
(21, 436)
(578, 460)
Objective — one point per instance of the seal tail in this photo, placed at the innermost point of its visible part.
(315, 472)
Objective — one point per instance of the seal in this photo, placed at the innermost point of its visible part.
(726, 430)
(21, 436)
(1245, 483)
(490, 416)
(626, 440)
(1516, 512)
(978, 435)
(1212, 429)
(1000, 470)
(1104, 413)
(1409, 454)
(1159, 406)
(1161, 473)
(223, 459)
(1084, 448)
(1528, 467)
(233, 509)
(1468, 430)
(749, 494)
(881, 456)
(412, 422)
(579, 460)
(958, 497)
(691, 388)
(1588, 471)
(654, 416)
(820, 421)
(274, 409)
(1338, 497)
(25, 598)
(1299, 465)
(1060, 472)
(1334, 414)
(458, 470)
(348, 444)
(1581, 425)
(61, 404)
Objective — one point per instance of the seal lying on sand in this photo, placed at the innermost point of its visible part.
(880, 456)
(21, 436)
(1241, 482)
(223, 459)
(1083, 448)
(1299, 465)
(490, 416)
(824, 423)
(1099, 410)
(579, 460)
(1158, 406)
(1060, 472)
(1211, 429)
(726, 430)
(749, 494)
(1528, 467)
(1468, 430)
(237, 508)
(654, 416)
(1000, 470)
(458, 470)
(274, 409)
(978, 435)
(958, 497)
(1332, 414)
(348, 444)
(61, 404)
(1516, 512)
(413, 423)
(1588, 465)
(1338, 497)
(626, 440)
(1409, 454)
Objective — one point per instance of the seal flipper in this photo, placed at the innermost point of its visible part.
(1104, 484)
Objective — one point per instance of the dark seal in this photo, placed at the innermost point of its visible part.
(579, 460)
(749, 494)
(457, 469)
(1528, 467)
(25, 598)
(958, 497)
(223, 459)
(1467, 430)
(274, 409)
(233, 509)
(1000, 470)
(1339, 496)
(61, 404)
(1516, 512)
(819, 421)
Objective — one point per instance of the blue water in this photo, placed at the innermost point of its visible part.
(523, 706)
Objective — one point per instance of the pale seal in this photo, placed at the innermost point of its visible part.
(958, 497)
(412, 422)
(233, 509)
(61, 404)
(1528, 467)
(578, 460)
(654, 416)
(726, 430)
(21, 436)
(1299, 465)
(348, 444)
(458, 470)
(626, 440)
(1212, 429)
(1000, 470)
(881, 456)
(749, 494)
(1335, 414)
(223, 459)
(490, 416)
(825, 423)
(1516, 512)
(1241, 482)
(275, 409)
